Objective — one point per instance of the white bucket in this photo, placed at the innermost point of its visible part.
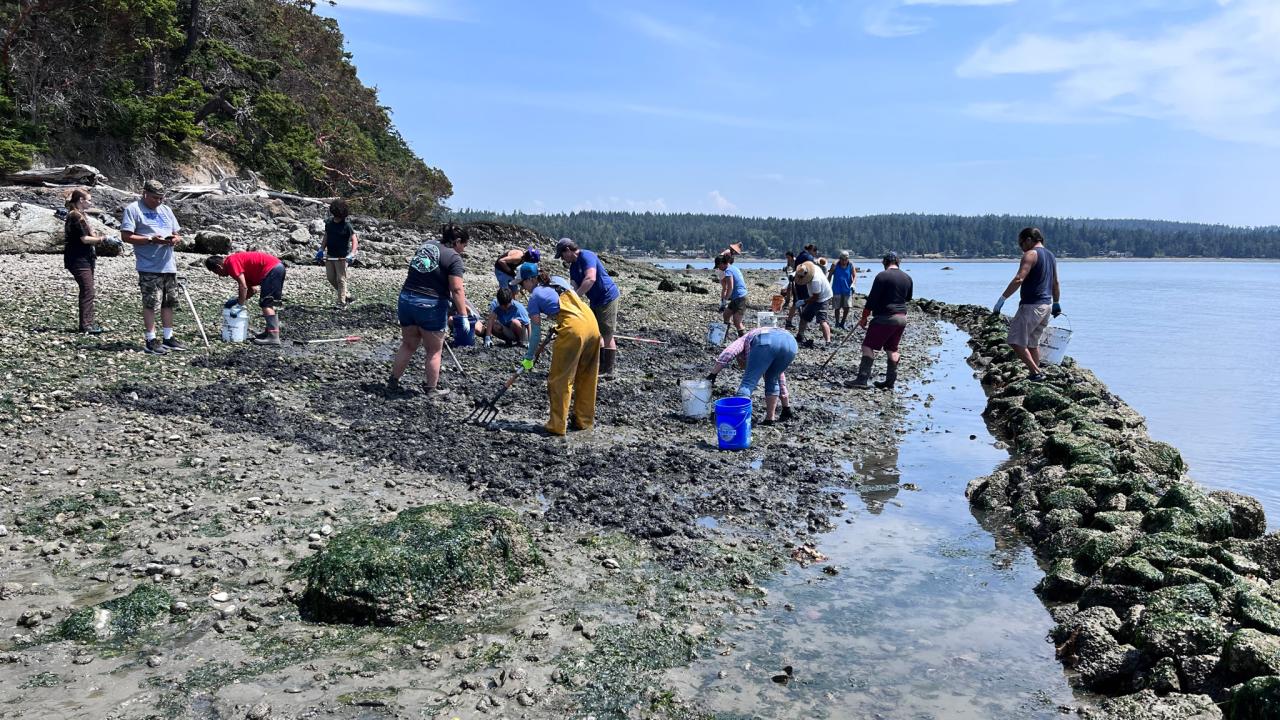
(716, 333)
(235, 325)
(766, 319)
(1053, 344)
(695, 398)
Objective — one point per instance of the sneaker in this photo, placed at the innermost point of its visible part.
(351, 299)
(767, 422)
(807, 342)
(1038, 377)
(154, 347)
(95, 330)
(394, 387)
(272, 339)
(435, 393)
(260, 336)
(172, 345)
(785, 414)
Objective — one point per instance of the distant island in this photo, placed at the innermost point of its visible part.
(942, 236)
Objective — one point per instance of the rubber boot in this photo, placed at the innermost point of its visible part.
(890, 376)
(607, 359)
(864, 372)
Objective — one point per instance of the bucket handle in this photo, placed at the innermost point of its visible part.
(1069, 327)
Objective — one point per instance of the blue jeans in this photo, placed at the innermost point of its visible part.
(423, 311)
(770, 354)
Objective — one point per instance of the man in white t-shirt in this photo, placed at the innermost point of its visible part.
(815, 307)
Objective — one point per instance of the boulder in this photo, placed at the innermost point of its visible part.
(1152, 456)
(1147, 705)
(394, 572)
(1258, 699)
(1170, 634)
(1061, 582)
(26, 228)
(1069, 498)
(1194, 598)
(1254, 610)
(1250, 653)
(1248, 520)
(118, 620)
(1132, 571)
(1042, 397)
(1196, 673)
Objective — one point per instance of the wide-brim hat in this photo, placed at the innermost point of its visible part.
(804, 273)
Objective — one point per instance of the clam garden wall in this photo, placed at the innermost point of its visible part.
(1166, 595)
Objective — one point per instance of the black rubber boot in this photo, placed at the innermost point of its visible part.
(607, 359)
(890, 377)
(864, 372)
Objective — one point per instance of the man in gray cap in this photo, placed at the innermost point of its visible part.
(151, 228)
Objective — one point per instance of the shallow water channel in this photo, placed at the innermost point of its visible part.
(930, 614)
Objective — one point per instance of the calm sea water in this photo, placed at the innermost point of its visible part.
(1188, 344)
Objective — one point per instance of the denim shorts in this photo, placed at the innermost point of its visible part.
(422, 311)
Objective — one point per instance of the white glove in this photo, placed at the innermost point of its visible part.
(466, 324)
(999, 304)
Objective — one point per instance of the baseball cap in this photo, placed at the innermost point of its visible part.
(844, 254)
(526, 271)
(562, 246)
(154, 187)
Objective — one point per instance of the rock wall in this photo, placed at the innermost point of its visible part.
(1165, 594)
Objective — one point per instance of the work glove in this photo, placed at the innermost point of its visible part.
(466, 324)
(526, 364)
(723, 304)
(1057, 309)
(999, 304)
(711, 378)
(320, 256)
(230, 303)
(352, 257)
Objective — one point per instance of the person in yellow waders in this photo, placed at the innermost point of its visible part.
(575, 353)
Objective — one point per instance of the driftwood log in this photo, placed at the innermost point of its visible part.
(66, 175)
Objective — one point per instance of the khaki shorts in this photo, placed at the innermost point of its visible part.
(607, 318)
(159, 290)
(842, 302)
(1028, 325)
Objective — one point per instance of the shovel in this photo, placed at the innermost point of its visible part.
(486, 411)
(639, 340)
(348, 339)
(182, 283)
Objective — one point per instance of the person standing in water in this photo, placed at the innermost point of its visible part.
(887, 308)
(1039, 294)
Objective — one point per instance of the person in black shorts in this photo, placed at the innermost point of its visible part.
(887, 308)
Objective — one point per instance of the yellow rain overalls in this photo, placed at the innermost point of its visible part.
(575, 363)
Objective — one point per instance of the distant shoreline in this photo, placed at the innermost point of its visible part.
(957, 261)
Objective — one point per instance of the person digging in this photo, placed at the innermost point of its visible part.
(508, 320)
(733, 293)
(575, 352)
(254, 272)
(763, 352)
(887, 308)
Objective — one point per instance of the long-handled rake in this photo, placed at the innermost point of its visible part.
(486, 411)
(839, 345)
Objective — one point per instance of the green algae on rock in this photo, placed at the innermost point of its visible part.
(394, 572)
(1258, 699)
(117, 620)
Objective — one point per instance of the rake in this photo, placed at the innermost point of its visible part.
(486, 411)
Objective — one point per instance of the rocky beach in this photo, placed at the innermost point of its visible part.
(252, 532)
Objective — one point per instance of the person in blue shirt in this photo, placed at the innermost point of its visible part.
(153, 231)
(591, 280)
(843, 276)
(733, 293)
(508, 320)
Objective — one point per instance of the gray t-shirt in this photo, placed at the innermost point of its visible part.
(142, 220)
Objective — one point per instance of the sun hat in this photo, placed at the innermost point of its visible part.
(804, 273)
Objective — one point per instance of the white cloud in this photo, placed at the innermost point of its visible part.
(966, 3)
(720, 202)
(1217, 76)
(887, 21)
(669, 33)
(616, 203)
(436, 9)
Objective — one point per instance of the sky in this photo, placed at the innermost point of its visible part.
(1166, 109)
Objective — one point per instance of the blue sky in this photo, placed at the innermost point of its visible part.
(1091, 108)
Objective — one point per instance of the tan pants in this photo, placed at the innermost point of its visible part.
(336, 272)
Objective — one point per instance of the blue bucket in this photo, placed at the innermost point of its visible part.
(463, 337)
(733, 423)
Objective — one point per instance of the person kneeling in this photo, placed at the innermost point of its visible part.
(508, 320)
(254, 272)
(766, 352)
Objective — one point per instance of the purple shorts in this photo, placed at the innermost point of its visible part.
(883, 337)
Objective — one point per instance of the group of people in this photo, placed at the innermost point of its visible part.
(767, 352)
(575, 316)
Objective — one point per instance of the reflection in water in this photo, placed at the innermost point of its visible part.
(930, 616)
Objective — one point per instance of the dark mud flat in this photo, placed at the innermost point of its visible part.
(210, 476)
(932, 613)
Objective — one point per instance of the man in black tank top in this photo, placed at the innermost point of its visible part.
(1037, 282)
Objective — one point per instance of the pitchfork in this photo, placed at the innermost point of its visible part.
(486, 411)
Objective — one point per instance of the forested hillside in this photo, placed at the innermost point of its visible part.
(870, 236)
(132, 86)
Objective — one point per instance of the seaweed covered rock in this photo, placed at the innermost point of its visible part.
(1147, 705)
(1248, 519)
(1168, 634)
(394, 572)
(1153, 456)
(1188, 510)
(117, 620)
(1258, 699)
(1250, 653)
(1061, 582)
(1042, 397)
(1254, 610)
